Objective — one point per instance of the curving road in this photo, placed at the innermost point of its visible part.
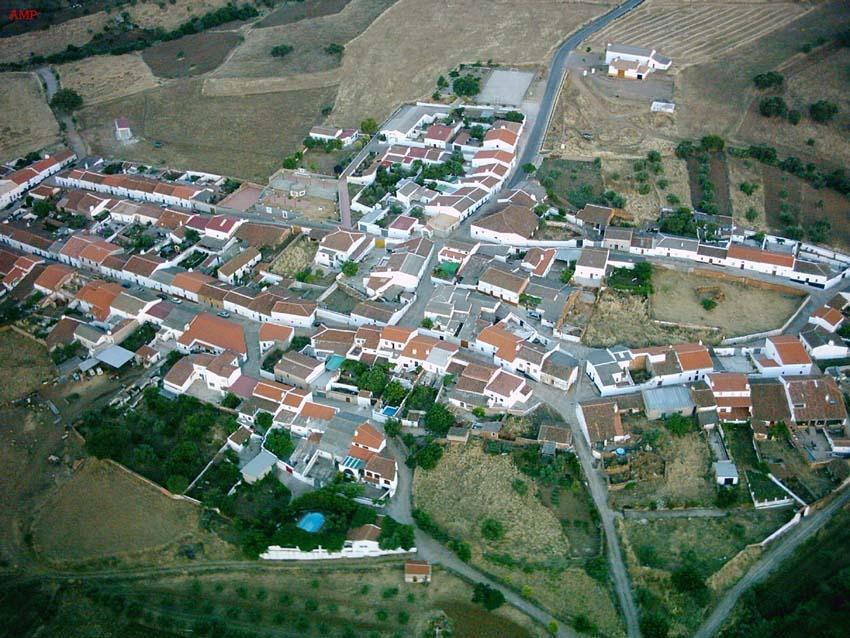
(557, 69)
(51, 84)
(779, 552)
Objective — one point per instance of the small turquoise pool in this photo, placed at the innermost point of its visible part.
(389, 410)
(312, 522)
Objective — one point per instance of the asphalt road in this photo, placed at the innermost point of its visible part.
(74, 140)
(773, 558)
(553, 84)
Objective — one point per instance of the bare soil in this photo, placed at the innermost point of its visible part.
(297, 256)
(741, 308)
(191, 55)
(25, 366)
(26, 121)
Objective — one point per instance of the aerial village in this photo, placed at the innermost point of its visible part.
(433, 306)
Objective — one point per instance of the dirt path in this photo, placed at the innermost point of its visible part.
(74, 140)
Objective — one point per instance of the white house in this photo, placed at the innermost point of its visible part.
(341, 246)
(591, 266)
(626, 61)
(782, 356)
(511, 225)
(503, 284)
(828, 318)
(823, 344)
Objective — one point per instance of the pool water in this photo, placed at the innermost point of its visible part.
(311, 522)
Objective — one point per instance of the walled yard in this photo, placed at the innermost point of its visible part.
(741, 307)
(26, 121)
(297, 256)
(621, 318)
(788, 464)
(25, 366)
(103, 511)
(533, 555)
(655, 549)
(667, 472)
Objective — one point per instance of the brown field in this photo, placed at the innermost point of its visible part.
(741, 308)
(740, 171)
(698, 31)
(168, 15)
(192, 55)
(106, 77)
(26, 121)
(462, 31)
(253, 59)
(687, 479)
(25, 365)
(295, 257)
(295, 11)
(104, 511)
(619, 318)
(52, 40)
(533, 532)
(246, 137)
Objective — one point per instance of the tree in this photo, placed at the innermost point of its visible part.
(528, 168)
(66, 100)
(748, 188)
(514, 116)
(492, 530)
(429, 456)
(478, 412)
(712, 143)
(335, 49)
(654, 625)
(279, 443)
(773, 106)
(369, 126)
(653, 156)
(394, 393)
(350, 268)
(264, 420)
(41, 208)
(823, 111)
(768, 80)
(751, 214)
(392, 428)
(489, 597)
(281, 50)
(230, 400)
(438, 419)
(466, 86)
(427, 323)
(794, 116)
(292, 160)
(678, 424)
(442, 83)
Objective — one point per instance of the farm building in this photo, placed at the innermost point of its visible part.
(634, 63)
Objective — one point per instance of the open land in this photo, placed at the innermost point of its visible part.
(207, 133)
(654, 549)
(788, 464)
(742, 307)
(101, 77)
(461, 31)
(104, 511)
(675, 473)
(25, 365)
(621, 318)
(26, 121)
(286, 601)
(297, 256)
(191, 55)
(533, 534)
(295, 11)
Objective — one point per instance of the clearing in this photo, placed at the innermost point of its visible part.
(462, 31)
(744, 306)
(675, 473)
(297, 256)
(621, 318)
(106, 77)
(533, 555)
(295, 11)
(191, 55)
(207, 133)
(26, 121)
(25, 365)
(104, 511)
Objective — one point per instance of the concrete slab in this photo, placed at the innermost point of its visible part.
(505, 87)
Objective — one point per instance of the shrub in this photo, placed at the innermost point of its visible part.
(281, 50)
(644, 189)
(773, 106)
(489, 597)
(673, 199)
(66, 100)
(821, 111)
(748, 188)
(492, 530)
(768, 80)
(709, 304)
(662, 183)
(335, 49)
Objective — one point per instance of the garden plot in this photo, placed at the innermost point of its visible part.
(296, 257)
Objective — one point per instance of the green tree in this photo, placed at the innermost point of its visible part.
(369, 126)
(428, 456)
(678, 424)
(279, 443)
(335, 49)
(769, 80)
(654, 625)
(350, 268)
(292, 161)
(442, 83)
(751, 214)
(392, 428)
(281, 50)
(41, 208)
(438, 419)
(66, 100)
(492, 530)
(528, 168)
(488, 597)
(823, 111)
(712, 143)
(794, 116)
(427, 323)
(773, 106)
(230, 400)
(466, 86)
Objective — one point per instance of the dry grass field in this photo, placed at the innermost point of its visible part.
(378, 75)
(105, 77)
(25, 365)
(169, 15)
(741, 308)
(693, 32)
(52, 40)
(103, 511)
(295, 11)
(192, 55)
(532, 532)
(740, 171)
(26, 121)
(297, 256)
(246, 137)
(620, 318)
(308, 38)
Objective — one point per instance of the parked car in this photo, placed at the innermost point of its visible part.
(176, 300)
(223, 314)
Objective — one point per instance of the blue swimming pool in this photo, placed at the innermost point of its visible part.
(389, 410)
(312, 522)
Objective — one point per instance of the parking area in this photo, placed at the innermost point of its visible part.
(505, 87)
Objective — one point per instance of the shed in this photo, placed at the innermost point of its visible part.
(725, 473)
(417, 571)
(115, 356)
(259, 467)
(666, 401)
(489, 429)
(458, 435)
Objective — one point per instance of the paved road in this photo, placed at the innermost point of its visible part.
(553, 84)
(773, 558)
(565, 404)
(74, 140)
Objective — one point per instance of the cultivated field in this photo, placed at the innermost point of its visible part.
(26, 121)
(297, 256)
(698, 31)
(103, 511)
(308, 38)
(461, 31)
(684, 465)
(192, 55)
(241, 136)
(106, 77)
(25, 365)
(620, 318)
(533, 535)
(742, 307)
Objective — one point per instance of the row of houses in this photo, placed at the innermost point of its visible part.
(14, 185)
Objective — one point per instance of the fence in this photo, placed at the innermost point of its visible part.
(275, 552)
(768, 333)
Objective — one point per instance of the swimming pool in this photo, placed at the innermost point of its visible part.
(389, 410)
(312, 522)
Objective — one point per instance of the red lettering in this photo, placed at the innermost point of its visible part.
(23, 14)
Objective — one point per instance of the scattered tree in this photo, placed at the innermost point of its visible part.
(335, 49)
(489, 597)
(823, 111)
(369, 126)
(230, 400)
(350, 268)
(281, 50)
(66, 100)
(769, 80)
(466, 86)
(773, 106)
(492, 530)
